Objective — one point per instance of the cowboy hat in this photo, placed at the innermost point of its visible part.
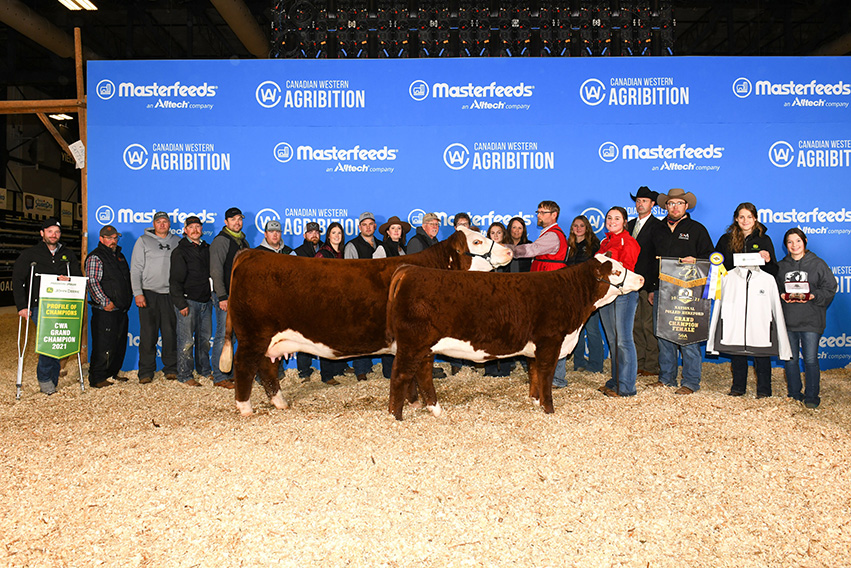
(678, 193)
(394, 220)
(645, 191)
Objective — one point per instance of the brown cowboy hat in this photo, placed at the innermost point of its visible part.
(677, 193)
(394, 220)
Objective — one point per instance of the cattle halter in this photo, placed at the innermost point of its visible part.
(619, 285)
(486, 256)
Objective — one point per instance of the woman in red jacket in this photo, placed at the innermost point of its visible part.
(618, 316)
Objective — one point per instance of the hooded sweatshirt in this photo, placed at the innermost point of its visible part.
(150, 261)
(807, 316)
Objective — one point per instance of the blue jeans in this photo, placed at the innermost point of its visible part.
(193, 340)
(362, 365)
(591, 331)
(218, 342)
(808, 343)
(303, 362)
(669, 360)
(620, 316)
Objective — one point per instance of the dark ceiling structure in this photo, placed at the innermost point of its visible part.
(36, 36)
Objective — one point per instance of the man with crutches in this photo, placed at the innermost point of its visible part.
(47, 257)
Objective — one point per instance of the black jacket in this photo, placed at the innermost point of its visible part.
(753, 243)
(115, 280)
(647, 265)
(307, 249)
(689, 238)
(61, 262)
(365, 250)
(189, 275)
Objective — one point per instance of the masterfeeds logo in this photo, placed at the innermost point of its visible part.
(456, 156)
(418, 90)
(742, 87)
(346, 155)
(268, 94)
(176, 216)
(781, 154)
(105, 89)
(634, 152)
(264, 216)
(811, 88)
(283, 152)
(608, 151)
(809, 217)
(105, 215)
(175, 89)
(415, 218)
(493, 90)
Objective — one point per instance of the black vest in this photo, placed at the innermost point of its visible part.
(115, 280)
(307, 249)
(363, 247)
(234, 246)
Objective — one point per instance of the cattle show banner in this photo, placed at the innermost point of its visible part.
(682, 311)
(325, 140)
(61, 306)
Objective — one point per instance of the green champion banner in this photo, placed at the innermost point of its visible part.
(682, 315)
(61, 306)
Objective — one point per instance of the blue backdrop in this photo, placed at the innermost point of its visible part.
(323, 141)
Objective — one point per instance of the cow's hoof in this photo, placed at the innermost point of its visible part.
(278, 401)
(244, 408)
(535, 401)
(435, 410)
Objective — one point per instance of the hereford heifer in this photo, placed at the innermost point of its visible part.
(481, 317)
(281, 304)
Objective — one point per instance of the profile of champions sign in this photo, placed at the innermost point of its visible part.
(683, 313)
(61, 306)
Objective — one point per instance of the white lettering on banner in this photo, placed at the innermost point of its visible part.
(634, 91)
(812, 216)
(444, 90)
(174, 90)
(415, 218)
(325, 99)
(513, 160)
(356, 153)
(811, 88)
(835, 341)
(147, 217)
(200, 161)
(296, 226)
(633, 152)
(844, 284)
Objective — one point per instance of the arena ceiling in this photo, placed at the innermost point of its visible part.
(197, 29)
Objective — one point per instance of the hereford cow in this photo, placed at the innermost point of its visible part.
(280, 304)
(481, 317)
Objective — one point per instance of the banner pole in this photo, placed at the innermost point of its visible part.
(22, 352)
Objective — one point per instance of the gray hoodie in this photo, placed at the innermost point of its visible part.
(150, 262)
(807, 316)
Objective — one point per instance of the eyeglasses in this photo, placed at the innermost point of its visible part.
(542, 211)
(677, 203)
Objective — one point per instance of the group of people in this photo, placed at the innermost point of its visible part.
(180, 284)
(629, 321)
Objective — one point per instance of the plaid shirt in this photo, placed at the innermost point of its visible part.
(94, 272)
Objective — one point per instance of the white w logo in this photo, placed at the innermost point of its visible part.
(135, 156)
(781, 154)
(592, 92)
(456, 156)
(268, 94)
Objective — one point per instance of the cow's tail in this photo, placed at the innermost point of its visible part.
(391, 305)
(226, 358)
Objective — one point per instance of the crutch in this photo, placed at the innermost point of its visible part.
(22, 351)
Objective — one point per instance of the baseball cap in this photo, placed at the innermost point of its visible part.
(313, 226)
(273, 225)
(192, 220)
(108, 231)
(160, 215)
(233, 212)
(50, 222)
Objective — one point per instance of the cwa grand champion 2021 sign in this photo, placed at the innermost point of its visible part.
(61, 307)
(304, 140)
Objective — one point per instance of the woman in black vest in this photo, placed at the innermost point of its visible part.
(333, 248)
(394, 232)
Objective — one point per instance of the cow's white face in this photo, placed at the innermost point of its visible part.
(622, 281)
(486, 254)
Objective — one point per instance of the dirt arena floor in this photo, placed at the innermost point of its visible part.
(164, 475)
